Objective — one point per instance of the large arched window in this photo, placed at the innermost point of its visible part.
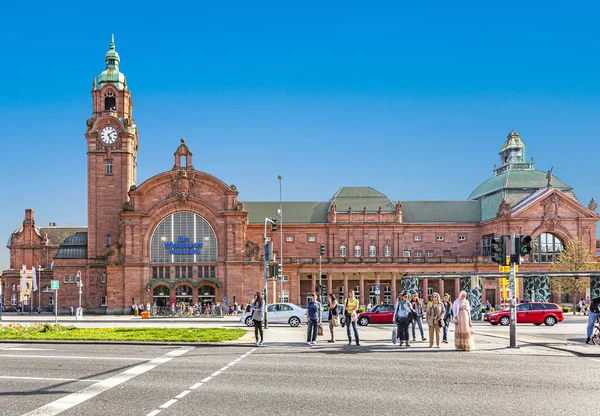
(183, 237)
(545, 248)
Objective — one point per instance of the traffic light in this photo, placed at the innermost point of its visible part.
(278, 269)
(273, 225)
(322, 250)
(268, 252)
(522, 247)
(499, 249)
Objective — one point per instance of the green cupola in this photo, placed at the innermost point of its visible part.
(513, 155)
(111, 74)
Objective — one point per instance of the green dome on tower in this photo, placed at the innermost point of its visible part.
(111, 74)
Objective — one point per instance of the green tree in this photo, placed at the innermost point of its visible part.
(574, 258)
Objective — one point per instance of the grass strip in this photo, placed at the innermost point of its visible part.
(69, 333)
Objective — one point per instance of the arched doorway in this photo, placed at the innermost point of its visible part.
(183, 294)
(206, 295)
(160, 296)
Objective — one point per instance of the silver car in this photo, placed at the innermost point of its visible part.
(279, 313)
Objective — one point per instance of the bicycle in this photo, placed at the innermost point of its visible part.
(596, 332)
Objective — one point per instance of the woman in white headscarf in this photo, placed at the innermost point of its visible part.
(463, 329)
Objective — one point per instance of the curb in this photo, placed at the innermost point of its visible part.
(563, 348)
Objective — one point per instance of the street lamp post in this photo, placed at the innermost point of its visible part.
(39, 289)
(79, 313)
(1, 300)
(280, 212)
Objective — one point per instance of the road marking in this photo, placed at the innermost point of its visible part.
(206, 379)
(59, 357)
(183, 394)
(27, 349)
(216, 373)
(87, 393)
(154, 412)
(595, 360)
(224, 368)
(195, 386)
(50, 379)
(169, 403)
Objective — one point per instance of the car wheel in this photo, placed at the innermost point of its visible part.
(550, 320)
(538, 324)
(364, 321)
(504, 321)
(249, 321)
(294, 321)
(494, 323)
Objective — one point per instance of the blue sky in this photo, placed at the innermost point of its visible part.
(414, 100)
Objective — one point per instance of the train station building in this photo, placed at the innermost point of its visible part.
(184, 235)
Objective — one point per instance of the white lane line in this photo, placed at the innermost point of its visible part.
(169, 403)
(154, 412)
(49, 379)
(183, 394)
(58, 357)
(216, 373)
(195, 386)
(87, 393)
(224, 368)
(593, 359)
(27, 349)
(206, 379)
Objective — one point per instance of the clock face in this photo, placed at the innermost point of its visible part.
(108, 135)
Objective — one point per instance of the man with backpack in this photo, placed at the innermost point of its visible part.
(592, 317)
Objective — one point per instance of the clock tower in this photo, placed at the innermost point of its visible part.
(112, 144)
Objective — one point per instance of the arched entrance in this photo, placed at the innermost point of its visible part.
(206, 295)
(183, 294)
(160, 296)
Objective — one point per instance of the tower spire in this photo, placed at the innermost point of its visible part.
(112, 74)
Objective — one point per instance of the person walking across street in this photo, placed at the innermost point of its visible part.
(350, 315)
(463, 329)
(447, 317)
(71, 309)
(594, 311)
(258, 309)
(435, 319)
(401, 317)
(333, 318)
(313, 318)
(417, 306)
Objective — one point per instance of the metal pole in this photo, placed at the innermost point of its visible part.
(265, 274)
(39, 288)
(320, 276)
(513, 300)
(79, 314)
(1, 300)
(280, 239)
(56, 306)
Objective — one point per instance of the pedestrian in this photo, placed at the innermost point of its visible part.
(463, 329)
(581, 307)
(333, 318)
(141, 307)
(417, 306)
(401, 317)
(313, 318)
(20, 309)
(447, 317)
(369, 306)
(148, 307)
(488, 306)
(435, 319)
(593, 313)
(135, 309)
(350, 315)
(258, 309)
(71, 309)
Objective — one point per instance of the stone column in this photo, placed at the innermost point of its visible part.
(378, 283)
(345, 285)
(424, 286)
(394, 288)
(441, 289)
(329, 283)
(456, 287)
(314, 282)
(361, 285)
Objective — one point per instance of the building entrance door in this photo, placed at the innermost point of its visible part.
(183, 294)
(160, 296)
(206, 295)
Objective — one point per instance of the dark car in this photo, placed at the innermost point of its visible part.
(536, 313)
(379, 314)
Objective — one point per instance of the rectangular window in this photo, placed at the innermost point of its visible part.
(206, 272)
(177, 272)
(406, 253)
(66, 278)
(462, 238)
(103, 278)
(417, 238)
(418, 253)
(102, 300)
(429, 253)
(212, 272)
(200, 272)
(357, 251)
(486, 244)
(183, 272)
(387, 250)
(342, 251)
(71, 278)
(311, 239)
(108, 239)
(155, 272)
(490, 294)
(190, 272)
(13, 299)
(289, 239)
(50, 300)
(439, 238)
(167, 273)
(285, 296)
(109, 167)
(161, 272)
(372, 251)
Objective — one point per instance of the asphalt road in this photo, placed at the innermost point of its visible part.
(294, 379)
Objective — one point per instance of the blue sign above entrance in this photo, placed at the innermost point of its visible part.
(183, 245)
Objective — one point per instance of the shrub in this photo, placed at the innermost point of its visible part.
(359, 310)
(565, 309)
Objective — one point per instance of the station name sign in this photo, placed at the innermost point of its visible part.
(183, 245)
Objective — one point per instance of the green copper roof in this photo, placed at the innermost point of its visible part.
(293, 212)
(523, 180)
(111, 74)
(441, 211)
(513, 141)
(359, 197)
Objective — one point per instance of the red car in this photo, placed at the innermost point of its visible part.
(536, 313)
(379, 314)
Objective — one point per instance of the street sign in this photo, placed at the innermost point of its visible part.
(53, 284)
(377, 290)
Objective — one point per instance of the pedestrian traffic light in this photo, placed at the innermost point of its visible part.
(522, 247)
(499, 250)
(322, 250)
(273, 225)
(278, 269)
